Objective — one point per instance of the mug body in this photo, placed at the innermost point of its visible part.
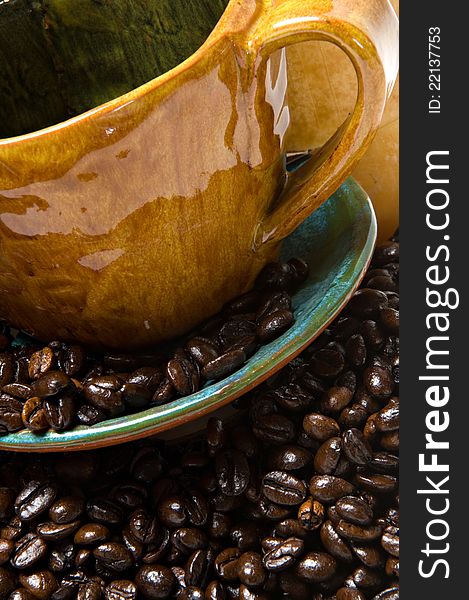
(129, 226)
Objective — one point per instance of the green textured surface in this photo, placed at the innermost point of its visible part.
(337, 241)
(59, 58)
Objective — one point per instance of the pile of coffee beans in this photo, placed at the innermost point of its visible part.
(59, 386)
(295, 499)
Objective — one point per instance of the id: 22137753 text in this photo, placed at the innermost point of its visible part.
(434, 72)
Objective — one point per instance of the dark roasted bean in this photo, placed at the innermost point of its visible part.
(320, 427)
(59, 412)
(104, 392)
(387, 419)
(245, 536)
(315, 567)
(202, 350)
(290, 458)
(10, 414)
(54, 531)
(366, 578)
(347, 593)
(121, 589)
(328, 489)
(358, 533)
(354, 510)
(376, 483)
(20, 391)
(21, 594)
(378, 382)
(6, 548)
(91, 534)
(114, 556)
(275, 429)
(367, 303)
(136, 396)
(7, 583)
(392, 567)
(335, 399)
(224, 365)
(311, 514)
(34, 415)
(390, 542)
(276, 276)
(104, 511)
(34, 499)
(284, 555)
(355, 351)
(232, 471)
(355, 446)
(251, 570)
(7, 369)
(215, 591)
(272, 302)
(144, 526)
(334, 544)
(327, 363)
(41, 584)
(188, 539)
(40, 362)
(370, 556)
(183, 375)
(155, 582)
(283, 488)
(226, 564)
(327, 456)
(90, 415)
(67, 509)
(273, 325)
(28, 551)
(391, 593)
(50, 384)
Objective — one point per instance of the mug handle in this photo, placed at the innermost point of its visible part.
(367, 31)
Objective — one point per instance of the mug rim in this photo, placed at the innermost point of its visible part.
(217, 34)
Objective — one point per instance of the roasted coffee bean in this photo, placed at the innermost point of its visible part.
(34, 499)
(196, 568)
(67, 509)
(273, 325)
(335, 399)
(327, 456)
(155, 582)
(376, 483)
(251, 571)
(59, 412)
(290, 528)
(122, 589)
(387, 419)
(274, 428)
(34, 415)
(53, 531)
(390, 542)
(215, 591)
(366, 578)
(104, 511)
(371, 556)
(392, 567)
(20, 391)
(20, 594)
(272, 302)
(327, 362)
(358, 533)
(276, 276)
(284, 555)
(114, 556)
(224, 365)
(390, 441)
(219, 525)
(245, 535)
(7, 369)
(315, 567)
(354, 510)
(232, 471)
(50, 384)
(328, 489)
(61, 557)
(136, 396)
(290, 458)
(378, 382)
(90, 415)
(73, 360)
(391, 593)
(347, 593)
(384, 462)
(352, 416)
(183, 375)
(104, 392)
(311, 514)
(234, 330)
(10, 414)
(226, 564)
(28, 551)
(202, 350)
(6, 548)
(320, 427)
(7, 583)
(41, 362)
(41, 584)
(188, 539)
(367, 303)
(355, 446)
(91, 534)
(355, 351)
(163, 393)
(283, 488)
(334, 544)
(144, 526)
(386, 252)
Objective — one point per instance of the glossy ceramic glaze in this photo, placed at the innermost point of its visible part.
(337, 241)
(134, 221)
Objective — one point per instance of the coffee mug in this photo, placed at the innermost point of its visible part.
(130, 223)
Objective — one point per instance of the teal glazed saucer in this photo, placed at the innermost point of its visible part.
(337, 241)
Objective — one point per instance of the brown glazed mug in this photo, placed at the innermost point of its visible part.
(131, 222)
